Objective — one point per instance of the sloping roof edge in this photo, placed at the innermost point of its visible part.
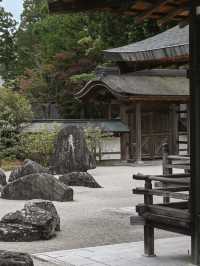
(107, 126)
(172, 43)
(149, 55)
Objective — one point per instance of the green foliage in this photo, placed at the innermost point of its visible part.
(85, 77)
(7, 44)
(56, 55)
(94, 138)
(33, 11)
(38, 146)
(9, 147)
(14, 107)
(15, 110)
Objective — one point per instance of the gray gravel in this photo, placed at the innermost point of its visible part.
(96, 217)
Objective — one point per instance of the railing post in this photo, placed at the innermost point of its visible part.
(148, 229)
(166, 171)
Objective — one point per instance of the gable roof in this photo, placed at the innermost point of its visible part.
(142, 83)
(169, 44)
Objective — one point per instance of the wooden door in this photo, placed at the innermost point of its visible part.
(155, 132)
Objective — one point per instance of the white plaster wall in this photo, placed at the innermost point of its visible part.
(111, 144)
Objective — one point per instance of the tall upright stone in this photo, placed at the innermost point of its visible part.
(71, 153)
(3, 181)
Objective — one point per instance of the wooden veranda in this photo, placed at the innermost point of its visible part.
(164, 11)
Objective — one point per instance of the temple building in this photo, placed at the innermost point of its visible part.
(149, 91)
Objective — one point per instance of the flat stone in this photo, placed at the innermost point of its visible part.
(28, 167)
(79, 179)
(37, 186)
(8, 258)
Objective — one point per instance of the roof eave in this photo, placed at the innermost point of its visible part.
(165, 53)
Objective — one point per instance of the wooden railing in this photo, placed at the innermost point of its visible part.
(174, 216)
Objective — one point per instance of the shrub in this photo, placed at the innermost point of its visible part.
(15, 105)
(94, 138)
(15, 109)
(38, 146)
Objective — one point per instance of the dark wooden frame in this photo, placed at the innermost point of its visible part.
(195, 127)
(174, 216)
(161, 10)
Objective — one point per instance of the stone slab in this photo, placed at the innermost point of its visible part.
(170, 252)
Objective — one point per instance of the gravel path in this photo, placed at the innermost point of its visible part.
(96, 217)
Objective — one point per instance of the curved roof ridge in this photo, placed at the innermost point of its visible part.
(132, 85)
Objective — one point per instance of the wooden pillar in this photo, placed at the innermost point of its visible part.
(148, 229)
(124, 138)
(173, 145)
(188, 128)
(82, 113)
(109, 111)
(166, 171)
(195, 127)
(138, 119)
(132, 134)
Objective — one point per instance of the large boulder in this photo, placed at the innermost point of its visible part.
(2, 178)
(41, 224)
(8, 258)
(38, 220)
(37, 186)
(13, 232)
(79, 179)
(71, 152)
(47, 206)
(28, 167)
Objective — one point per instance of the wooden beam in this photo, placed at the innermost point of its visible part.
(147, 98)
(165, 210)
(171, 15)
(162, 193)
(174, 129)
(188, 129)
(195, 128)
(61, 6)
(143, 9)
(157, 5)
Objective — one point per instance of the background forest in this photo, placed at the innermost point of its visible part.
(48, 58)
(44, 60)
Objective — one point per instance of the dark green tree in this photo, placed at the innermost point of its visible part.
(53, 49)
(7, 44)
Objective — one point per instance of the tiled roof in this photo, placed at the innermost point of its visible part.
(109, 126)
(143, 83)
(171, 43)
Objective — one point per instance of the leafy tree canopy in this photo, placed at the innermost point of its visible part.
(57, 54)
(15, 110)
(7, 44)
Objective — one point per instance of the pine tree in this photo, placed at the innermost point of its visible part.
(7, 44)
